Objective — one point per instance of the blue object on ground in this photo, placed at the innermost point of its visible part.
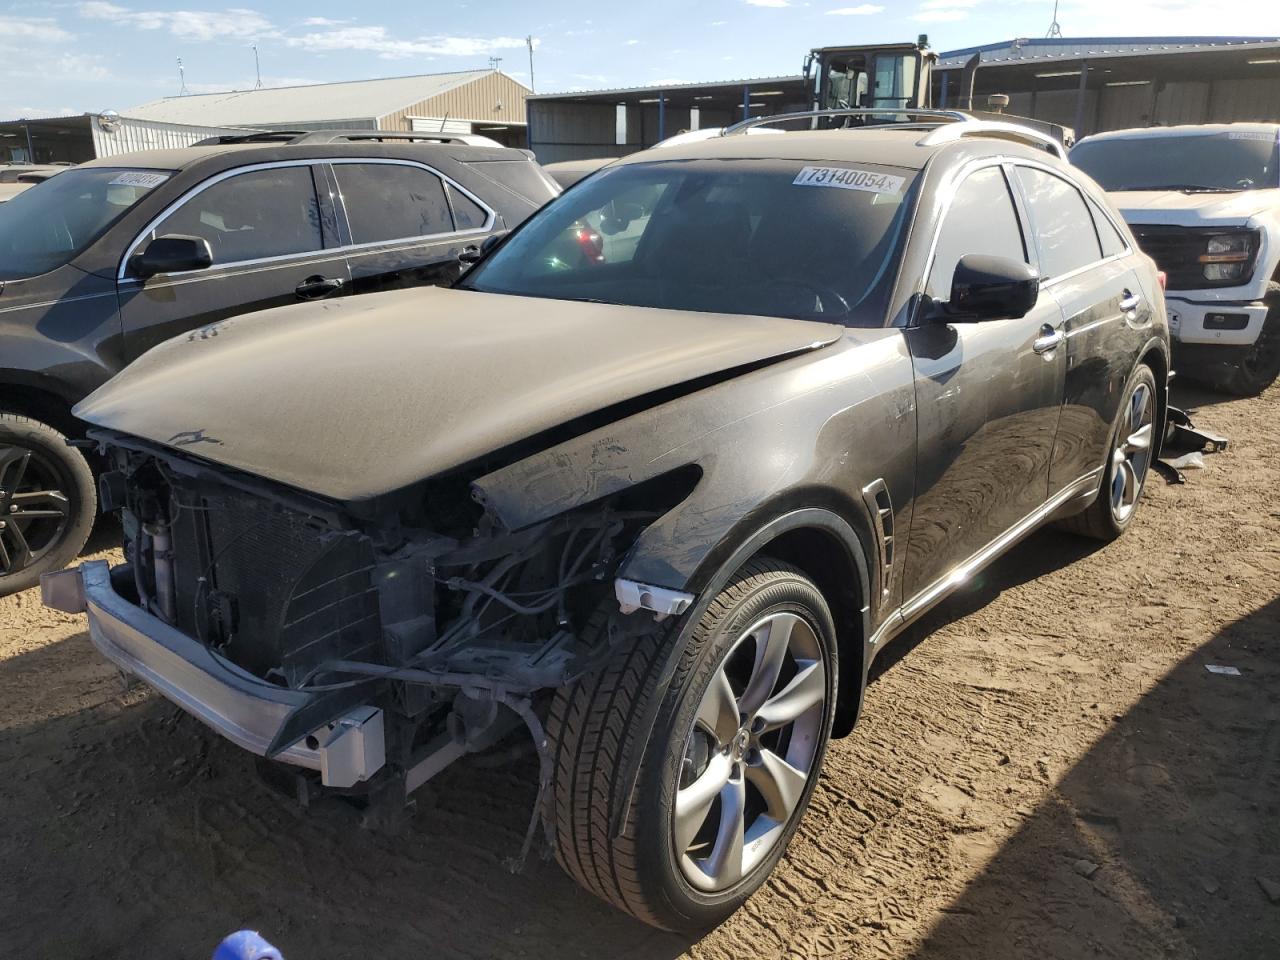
(246, 945)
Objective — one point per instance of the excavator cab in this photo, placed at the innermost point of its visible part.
(891, 76)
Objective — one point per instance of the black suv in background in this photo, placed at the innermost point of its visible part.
(108, 259)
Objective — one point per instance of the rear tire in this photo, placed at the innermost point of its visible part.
(1123, 479)
(595, 725)
(47, 502)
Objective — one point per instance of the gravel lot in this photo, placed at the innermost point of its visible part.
(1045, 769)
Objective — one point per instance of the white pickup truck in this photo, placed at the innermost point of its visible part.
(1204, 203)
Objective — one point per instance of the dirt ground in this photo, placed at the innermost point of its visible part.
(1045, 769)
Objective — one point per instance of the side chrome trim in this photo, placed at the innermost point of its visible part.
(121, 270)
(926, 598)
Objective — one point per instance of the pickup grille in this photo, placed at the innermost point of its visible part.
(273, 590)
(1176, 251)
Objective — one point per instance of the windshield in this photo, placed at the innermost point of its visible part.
(51, 223)
(1218, 162)
(766, 237)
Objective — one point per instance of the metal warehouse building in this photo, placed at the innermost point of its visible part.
(486, 102)
(77, 139)
(1090, 84)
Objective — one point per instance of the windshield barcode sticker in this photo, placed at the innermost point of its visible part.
(1251, 135)
(847, 179)
(145, 180)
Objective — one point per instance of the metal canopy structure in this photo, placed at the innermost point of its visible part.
(1109, 83)
(613, 123)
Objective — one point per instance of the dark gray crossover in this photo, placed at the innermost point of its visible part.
(657, 481)
(112, 257)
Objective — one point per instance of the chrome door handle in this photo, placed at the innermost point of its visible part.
(1048, 340)
(1129, 302)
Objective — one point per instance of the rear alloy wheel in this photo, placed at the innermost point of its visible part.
(730, 764)
(1133, 447)
(47, 502)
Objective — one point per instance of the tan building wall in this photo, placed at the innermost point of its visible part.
(478, 101)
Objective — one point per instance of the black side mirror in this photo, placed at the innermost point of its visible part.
(171, 254)
(473, 254)
(991, 288)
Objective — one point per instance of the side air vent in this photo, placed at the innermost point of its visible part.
(878, 501)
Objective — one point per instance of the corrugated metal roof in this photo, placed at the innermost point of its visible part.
(1076, 48)
(665, 87)
(351, 100)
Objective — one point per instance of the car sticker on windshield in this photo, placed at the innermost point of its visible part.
(146, 181)
(846, 179)
(1251, 135)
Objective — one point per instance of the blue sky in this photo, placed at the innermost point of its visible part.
(70, 57)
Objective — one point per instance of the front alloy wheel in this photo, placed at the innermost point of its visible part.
(750, 752)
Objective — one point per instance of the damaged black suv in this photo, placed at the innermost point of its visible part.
(656, 481)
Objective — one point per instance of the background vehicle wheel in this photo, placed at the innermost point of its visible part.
(732, 760)
(1134, 442)
(47, 502)
(1257, 369)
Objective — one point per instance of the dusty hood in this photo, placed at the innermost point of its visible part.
(357, 397)
(1193, 209)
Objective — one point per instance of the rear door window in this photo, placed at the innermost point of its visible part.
(392, 201)
(982, 220)
(253, 215)
(1064, 230)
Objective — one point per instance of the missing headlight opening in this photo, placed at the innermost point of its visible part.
(422, 606)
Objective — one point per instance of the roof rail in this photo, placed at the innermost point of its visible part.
(865, 113)
(296, 137)
(995, 129)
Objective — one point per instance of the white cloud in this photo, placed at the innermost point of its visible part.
(32, 30)
(863, 10)
(379, 41)
(323, 22)
(940, 16)
(204, 25)
(81, 67)
(768, 3)
(631, 43)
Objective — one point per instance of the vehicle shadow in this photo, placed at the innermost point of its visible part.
(1153, 843)
(1189, 395)
(1041, 553)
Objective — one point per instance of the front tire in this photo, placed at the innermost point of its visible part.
(47, 502)
(730, 765)
(1257, 369)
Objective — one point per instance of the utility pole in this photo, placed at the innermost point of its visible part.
(1055, 29)
(257, 68)
(182, 79)
(529, 43)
